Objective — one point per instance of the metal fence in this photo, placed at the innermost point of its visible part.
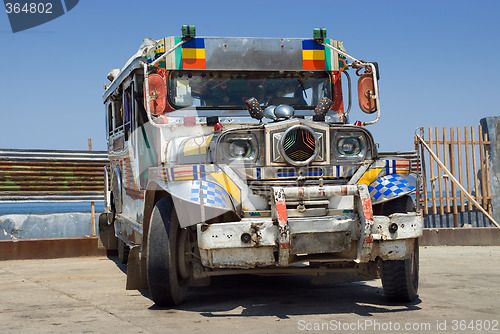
(52, 175)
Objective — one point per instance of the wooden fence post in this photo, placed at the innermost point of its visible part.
(451, 154)
(455, 181)
(92, 215)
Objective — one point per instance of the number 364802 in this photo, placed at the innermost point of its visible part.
(28, 8)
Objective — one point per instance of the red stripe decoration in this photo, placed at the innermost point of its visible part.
(183, 172)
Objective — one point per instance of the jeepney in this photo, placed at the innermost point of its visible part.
(236, 155)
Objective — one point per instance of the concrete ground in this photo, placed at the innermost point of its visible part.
(459, 293)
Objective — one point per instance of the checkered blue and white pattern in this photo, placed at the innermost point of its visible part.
(212, 194)
(389, 186)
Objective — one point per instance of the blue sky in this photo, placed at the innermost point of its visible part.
(438, 60)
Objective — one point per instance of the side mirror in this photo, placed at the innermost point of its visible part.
(157, 94)
(366, 93)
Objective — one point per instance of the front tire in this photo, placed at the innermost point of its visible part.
(400, 278)
(167, 283)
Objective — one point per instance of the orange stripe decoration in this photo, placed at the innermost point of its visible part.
(342, 63)
(313, 55)
(193, 54)
(313, 65)
(194, 63)
(282, 213)
(309, 141)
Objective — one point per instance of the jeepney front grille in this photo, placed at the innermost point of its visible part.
(314, 174)
(262, 180)
(264, 188)
(266, 185)
(299, 145)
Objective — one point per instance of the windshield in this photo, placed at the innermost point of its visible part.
(230, 89)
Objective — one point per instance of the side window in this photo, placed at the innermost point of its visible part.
(109, 118)
(144, 135)
(114, 122)
(118, 113)
(139, 92)
(127, 109)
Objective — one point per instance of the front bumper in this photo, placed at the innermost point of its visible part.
(282, 241)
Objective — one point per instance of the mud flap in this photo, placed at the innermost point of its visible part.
(136, 270)
(107, 233)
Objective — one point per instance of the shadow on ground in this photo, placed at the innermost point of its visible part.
(284, 296)
(281, 296)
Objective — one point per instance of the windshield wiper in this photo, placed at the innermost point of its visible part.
(302, 86)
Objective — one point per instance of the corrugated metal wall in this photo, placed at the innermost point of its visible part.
(48, 174)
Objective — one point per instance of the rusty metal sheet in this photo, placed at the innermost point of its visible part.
(50, 248)
(24, 173)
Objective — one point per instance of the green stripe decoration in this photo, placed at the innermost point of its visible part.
(178, 53)
(290, 139)
(328, 56)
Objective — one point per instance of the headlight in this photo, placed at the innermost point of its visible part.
(240, 148)
(349, 146)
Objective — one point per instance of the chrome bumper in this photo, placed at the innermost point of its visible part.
(273, 241)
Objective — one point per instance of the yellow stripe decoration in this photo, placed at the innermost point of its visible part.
(313, 54)
(184, 178)
(369, 176)
(228, 184)
(193, 53)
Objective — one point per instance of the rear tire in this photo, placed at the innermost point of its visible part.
(400, 278)
(167, 283)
